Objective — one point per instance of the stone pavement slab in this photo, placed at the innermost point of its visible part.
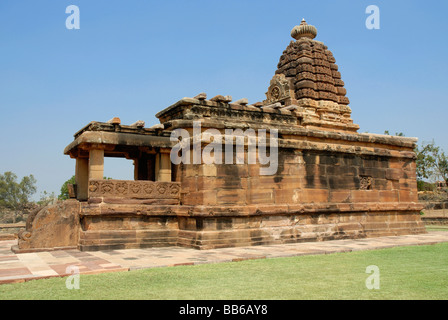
(38, 265)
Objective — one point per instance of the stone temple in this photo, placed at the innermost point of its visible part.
(330, 182)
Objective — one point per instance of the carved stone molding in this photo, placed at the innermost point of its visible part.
(280, 89)
(134, 189)
(241, 115)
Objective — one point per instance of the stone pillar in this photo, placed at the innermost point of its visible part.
(82, 178)
(163, 165)
(135, 169)
(96, 164)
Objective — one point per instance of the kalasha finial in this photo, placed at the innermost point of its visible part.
(304, 30)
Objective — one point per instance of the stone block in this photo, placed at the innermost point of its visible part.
(208, 170)
(342, 170)
(253, 170)
(375, 162)
(286, 196)
(313, 195)
(396, 164)
(275, 221)
(225, 182)
(340, 196)
(310, 158)
(374, 172)
(294, 159)
(380, 184)
(192, 198)
(259, 196)
(365, 195)
(315, 181)
(189, 184)
(53, 226)
(393, 174)
(239, 170)
(406, 184)
(329, 159)
(288, 182)
(231, 196)
(408, 196)
(338, 182)
(351, 160)
(191, 170)
(389, 195)
(293, 169)
(209, 197)
(261, 182)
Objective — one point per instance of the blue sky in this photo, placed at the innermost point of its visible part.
(131, 59)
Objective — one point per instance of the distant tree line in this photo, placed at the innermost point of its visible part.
(15, 196)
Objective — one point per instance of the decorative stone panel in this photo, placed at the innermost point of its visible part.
(365, 183)
(134, 189)
(280, 89)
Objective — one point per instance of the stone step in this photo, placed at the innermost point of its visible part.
(126, 234)
(122, 246)
(124, 239)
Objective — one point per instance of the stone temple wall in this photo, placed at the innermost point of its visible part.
(316, 196)
(328, 186)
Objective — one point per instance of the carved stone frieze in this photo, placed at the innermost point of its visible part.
(241, 115)
(134, 189)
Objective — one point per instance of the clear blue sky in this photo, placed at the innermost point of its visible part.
(131, 59)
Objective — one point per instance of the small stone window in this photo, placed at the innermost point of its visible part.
(365, 183)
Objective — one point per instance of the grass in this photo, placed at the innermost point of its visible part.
(437, 228)
(418, 272)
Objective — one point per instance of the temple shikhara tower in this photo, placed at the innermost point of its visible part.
(330, 182)
(308, 81)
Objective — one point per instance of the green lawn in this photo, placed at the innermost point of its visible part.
(437, 228)
(418, 272)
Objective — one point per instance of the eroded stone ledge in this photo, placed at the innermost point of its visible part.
(246, 210)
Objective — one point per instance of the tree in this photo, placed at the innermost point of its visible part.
(16, 195)
(441, 165)
(64, 189)
(424, 161)
(431, 162)
(46, 199)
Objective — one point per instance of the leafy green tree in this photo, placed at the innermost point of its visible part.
(424, 161)
(16, 195)
(64, 189)
(441, 165)
(432, 162)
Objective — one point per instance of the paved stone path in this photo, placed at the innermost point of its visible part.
(28, 266)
